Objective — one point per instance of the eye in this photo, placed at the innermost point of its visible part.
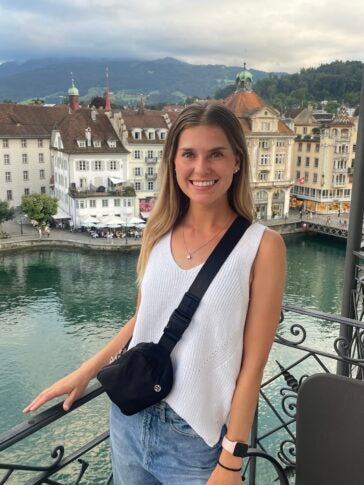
(216, 154)
(187, 154)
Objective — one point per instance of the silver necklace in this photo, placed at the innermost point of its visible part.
(190, 253)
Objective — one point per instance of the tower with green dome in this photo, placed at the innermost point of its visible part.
(244, 80)
(73, 95)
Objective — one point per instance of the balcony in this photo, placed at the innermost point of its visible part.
(151, 160)
(294, 356)
(151, 176)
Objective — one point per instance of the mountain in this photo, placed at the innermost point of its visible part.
(165, 79)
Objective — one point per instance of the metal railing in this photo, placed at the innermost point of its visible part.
(273, 431)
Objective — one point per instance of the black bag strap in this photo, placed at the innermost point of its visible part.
(182, 315)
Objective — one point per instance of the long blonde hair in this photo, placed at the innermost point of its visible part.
(172, 204)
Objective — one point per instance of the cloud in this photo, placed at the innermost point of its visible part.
(281, 35)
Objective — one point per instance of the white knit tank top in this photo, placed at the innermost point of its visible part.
(207, 359)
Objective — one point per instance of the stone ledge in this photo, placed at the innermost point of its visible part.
(65, 244)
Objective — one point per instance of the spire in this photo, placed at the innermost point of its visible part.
(73, 95)
(244, 80)
(107, 96)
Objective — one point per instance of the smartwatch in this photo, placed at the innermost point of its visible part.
(236, 448)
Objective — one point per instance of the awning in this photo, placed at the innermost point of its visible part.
(116, 180)
(61, 215)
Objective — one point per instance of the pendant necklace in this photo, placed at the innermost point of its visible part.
(190, 253)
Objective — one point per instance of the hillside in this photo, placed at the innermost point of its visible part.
(166, 79)
(338, 82)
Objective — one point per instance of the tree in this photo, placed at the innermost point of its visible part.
(6, 213)
(39, 207)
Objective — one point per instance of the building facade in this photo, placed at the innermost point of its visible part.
(270, 144)
(25, 163)
(323, 160)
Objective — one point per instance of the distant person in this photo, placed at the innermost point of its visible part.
(219, 361)
(47, 231)
(40, 232)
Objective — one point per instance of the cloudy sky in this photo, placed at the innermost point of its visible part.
(280, 35)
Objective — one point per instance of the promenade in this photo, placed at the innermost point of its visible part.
(23, 236)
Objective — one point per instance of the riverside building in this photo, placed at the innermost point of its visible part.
(143, 133)
(323, 160)
(90, 166)
(25, 162)
(270, 144)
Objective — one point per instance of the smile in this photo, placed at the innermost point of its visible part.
(203, 183)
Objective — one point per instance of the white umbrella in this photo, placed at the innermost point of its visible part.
(89, 221)
(136, 220)
(113, 221)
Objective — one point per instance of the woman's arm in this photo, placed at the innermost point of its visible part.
(266, 292)
(75, 383)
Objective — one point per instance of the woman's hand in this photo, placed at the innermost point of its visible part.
(73, 385)
(220, 476)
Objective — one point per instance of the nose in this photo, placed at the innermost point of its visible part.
(202, 164)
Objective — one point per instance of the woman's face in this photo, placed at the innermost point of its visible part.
(205, 164)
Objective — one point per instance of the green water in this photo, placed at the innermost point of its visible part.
(57, 308)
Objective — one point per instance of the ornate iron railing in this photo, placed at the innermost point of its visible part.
(307, 342)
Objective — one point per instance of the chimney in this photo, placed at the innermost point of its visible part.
(88, 136)
(93, 114)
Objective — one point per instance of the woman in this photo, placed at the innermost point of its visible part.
(204, 178)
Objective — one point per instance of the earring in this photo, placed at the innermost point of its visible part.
(236, 169)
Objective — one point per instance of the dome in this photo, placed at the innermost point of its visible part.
(73, 91)
(244, 80)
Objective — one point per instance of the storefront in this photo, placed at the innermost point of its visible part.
(278, 204)
(261, 204)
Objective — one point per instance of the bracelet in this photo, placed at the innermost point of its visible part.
(230, 469)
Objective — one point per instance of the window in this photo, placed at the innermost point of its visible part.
(98, 165)
(41, 157)
(127, 202)
(7, 176)
(116, 202)
(42, 174)
(137, 171)
(97, 143)
(279, 158)
(6, 145)
(24, 158)
(150, 171)
(40, 142)
(26, 175)
(92, 203)
(354, 147)
(26, 191)
(307, 161)
(113, 165)
(105, 203)
(317, 147)
(150, 154)
(42, 190)
(9, 195)
(265, 126)
(308, 147)
(278, 175)
(306, 176)
(280, 143)
(82, 165)
(151, 135)
(112, 143)
(150, 185)
(163, 135)
(6, 159)
(137, 154)
(264, 159)
(314, 178)
(138, 186)
(298, 161)
(263, 176)
(300, 147)
(137, 135)
(263, 144)
(298, 174)
(81, 143)
(23, 143)
(305, 130)
(316, 162)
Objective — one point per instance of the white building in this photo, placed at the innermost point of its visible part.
(90, 168)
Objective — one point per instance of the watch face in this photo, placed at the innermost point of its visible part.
(241, 449)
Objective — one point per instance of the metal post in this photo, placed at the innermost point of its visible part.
(253, 444)
(21, 225)
(354, 233)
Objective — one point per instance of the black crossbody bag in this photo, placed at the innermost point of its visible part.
(143, 375)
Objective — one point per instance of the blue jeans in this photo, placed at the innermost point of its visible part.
(156, 446)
